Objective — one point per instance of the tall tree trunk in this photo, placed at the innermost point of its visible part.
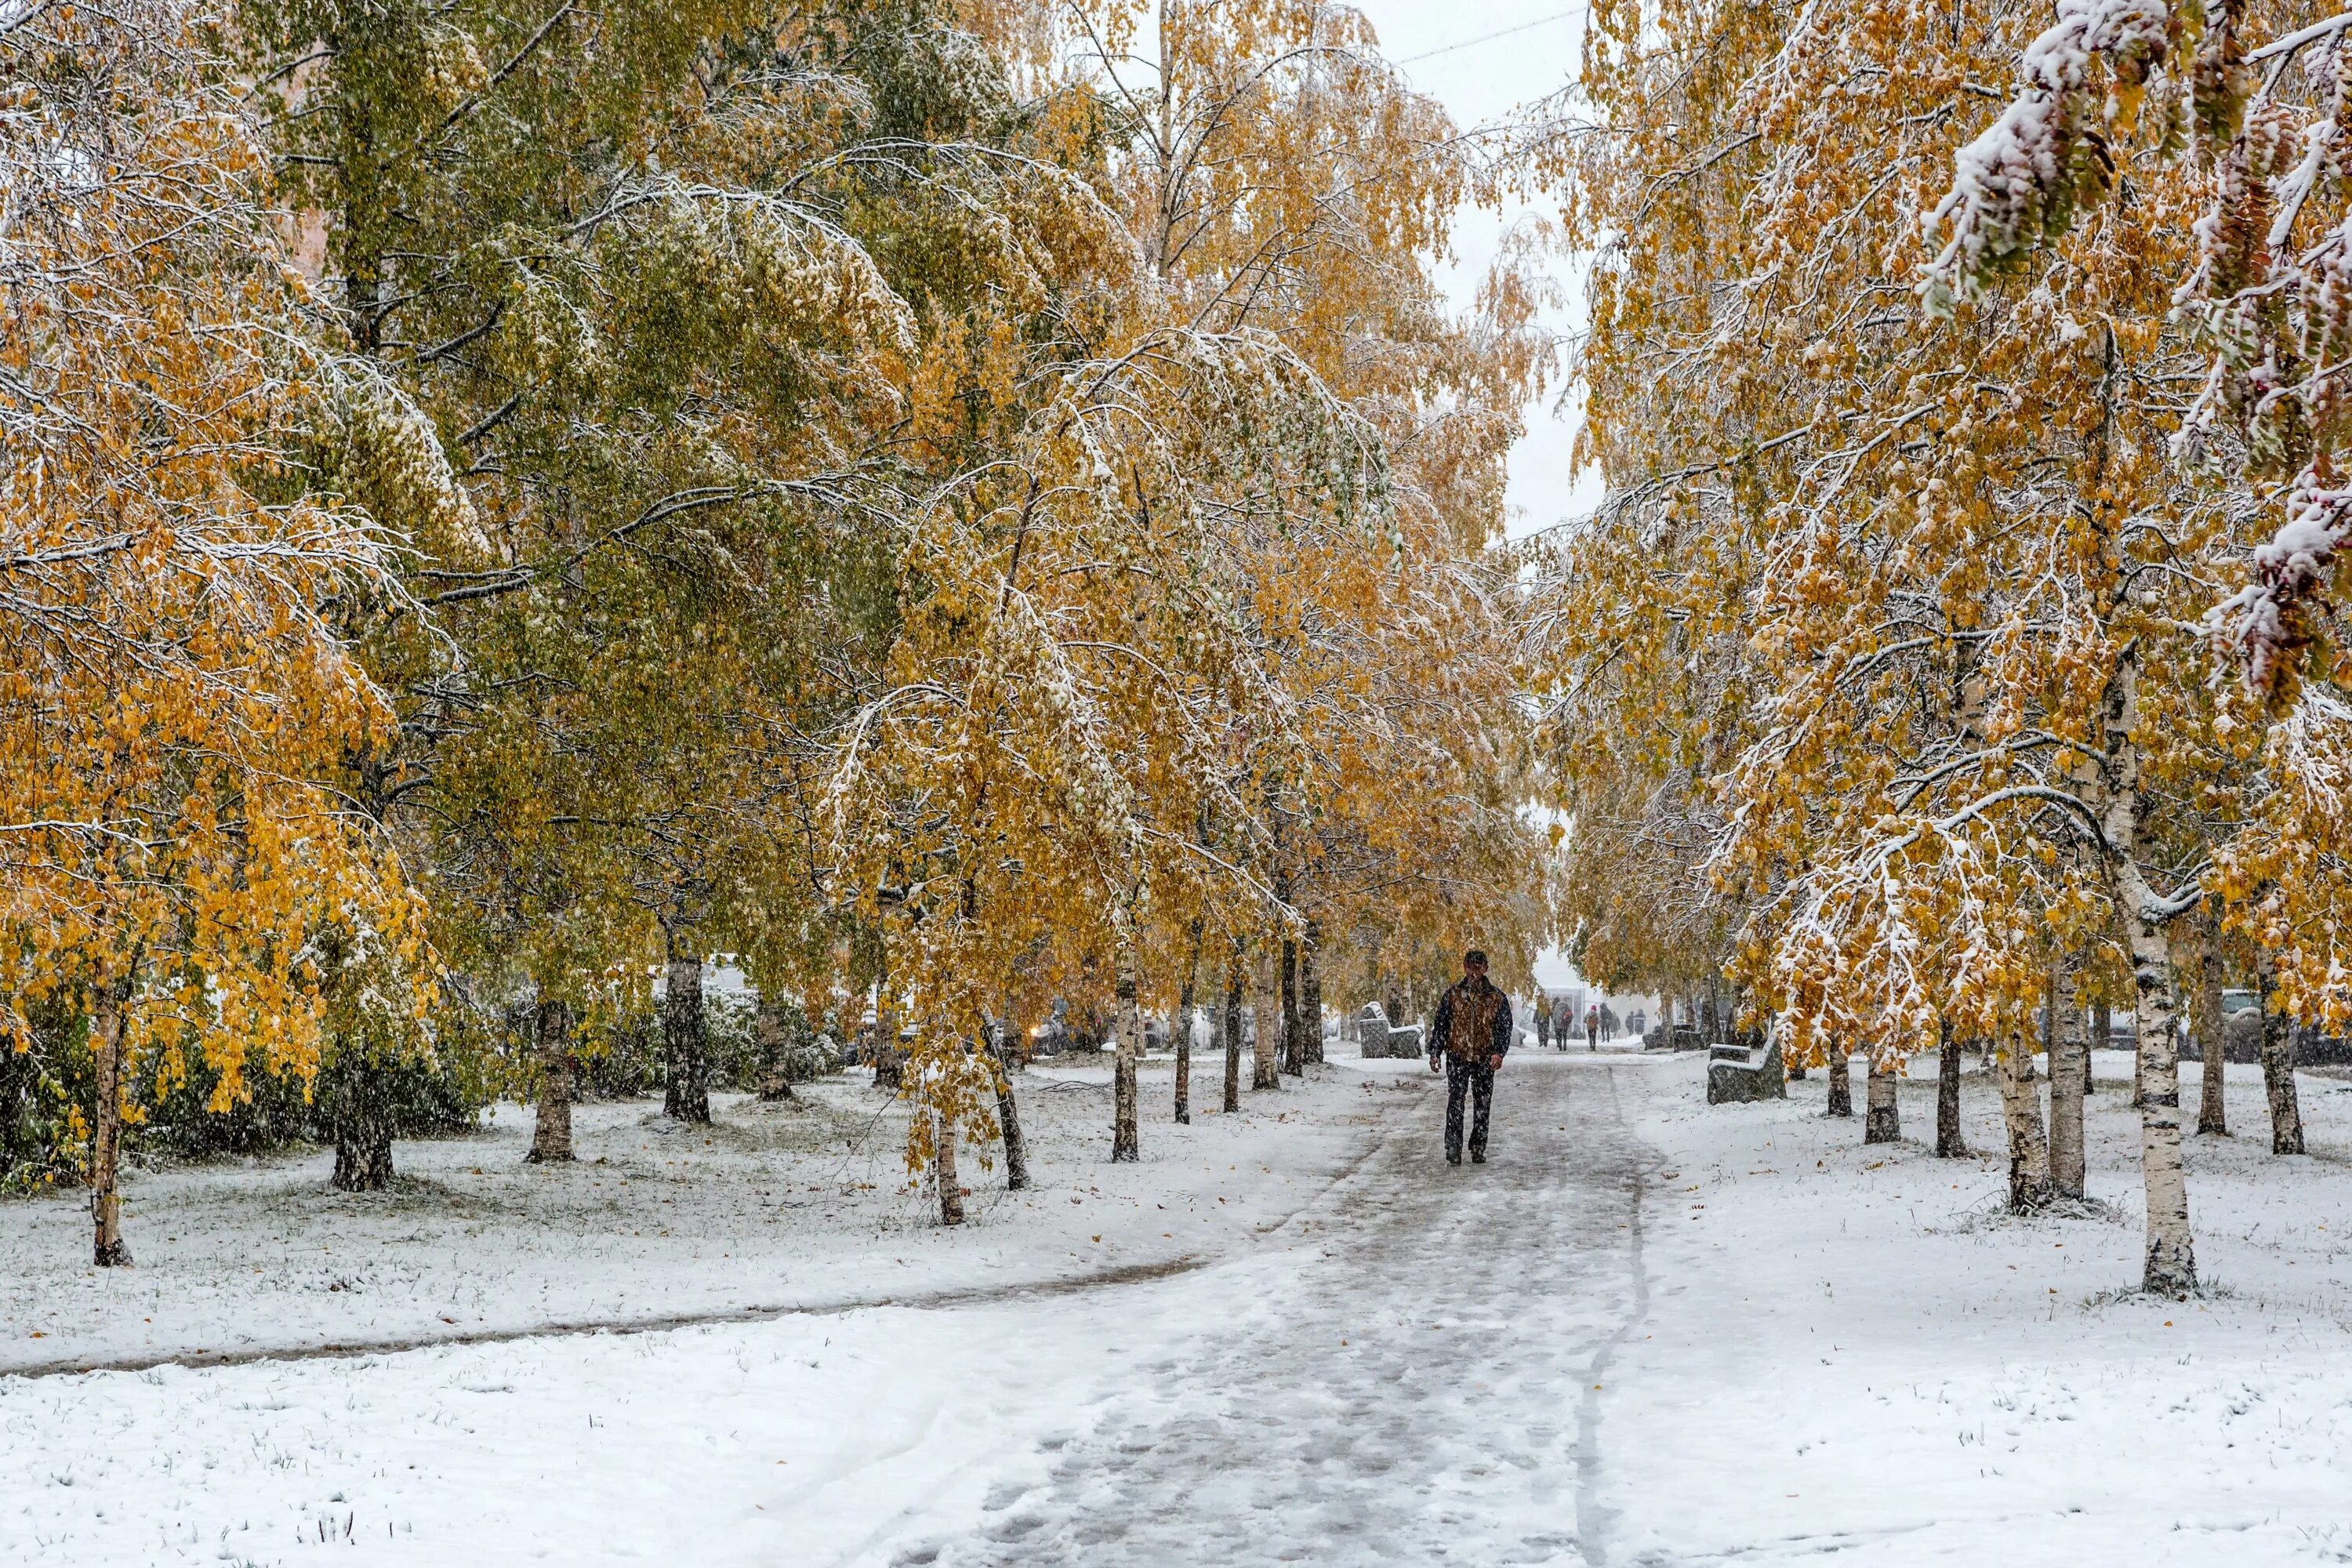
(1310, 991)
(1949, 1144)
(2278, 1062)
(2070, 1071)
(550, 1140)
(889, 1063)
(686, 1044)
(1185, 1053)
(2212, 1115)
(2169, 1260)
(944, 1168)
(2028, 1144)
(1840, 1077)
(768, 1036)
(1265, 1006)
(2102, 1020)
(361, 1097)
(1882, 1117)
(1230, 1027)
(108, 1249)
(1294, 1055)
(1008, 1110)
(1125, 1148)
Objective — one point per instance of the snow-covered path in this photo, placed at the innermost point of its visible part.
(1419, 1384)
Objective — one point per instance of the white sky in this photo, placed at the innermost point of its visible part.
(1480, 78)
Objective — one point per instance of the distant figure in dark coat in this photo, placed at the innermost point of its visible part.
(1471, 1035)
(1543, 1022)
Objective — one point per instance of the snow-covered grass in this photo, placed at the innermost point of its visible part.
(792, 1206)
(1854, 1348)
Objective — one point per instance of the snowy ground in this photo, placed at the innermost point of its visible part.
(787, 1206)
(1650, 1332)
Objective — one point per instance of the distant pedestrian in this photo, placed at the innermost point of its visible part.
(1543, 1022)
(1592, 1027)
(1560, 1019)
(1471, 1036)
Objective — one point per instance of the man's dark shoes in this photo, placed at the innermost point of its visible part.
(1478, 1156)
(1455, 1158)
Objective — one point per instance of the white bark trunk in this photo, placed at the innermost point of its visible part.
(1265, 1005)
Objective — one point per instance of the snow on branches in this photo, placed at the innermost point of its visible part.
(2020, 183)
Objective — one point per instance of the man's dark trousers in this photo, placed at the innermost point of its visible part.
(1478, 1080)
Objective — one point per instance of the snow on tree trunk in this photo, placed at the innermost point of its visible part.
(1125, 1148)
(1008, 1109)
(944, 1168)
(2028, 1144)
(1310, 991)
(769, 1038)
(2278, 1062)
(2205, 1017)
(1265, 1006)
(1229, 1029)
(2069, 1071)
(1184, 1054)
(1949, 1144)
(1840, 1080)
(106, 1143)
(551, 1139)
(684, 1036)
(1882, 1119)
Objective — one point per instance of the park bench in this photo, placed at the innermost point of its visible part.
(1740, 1075)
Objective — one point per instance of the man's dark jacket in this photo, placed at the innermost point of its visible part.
(1457, 1032)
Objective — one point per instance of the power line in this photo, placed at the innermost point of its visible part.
(1490, 38)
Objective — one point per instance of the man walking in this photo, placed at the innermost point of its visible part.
(1592, 1028)
(1472, 1033)
(1543, 1021)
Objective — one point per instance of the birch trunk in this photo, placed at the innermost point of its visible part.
(1310, 991)
(551, 1139)
(1184, 1055)
(686, 1096)
(2028, 1144)
(2070, 1073)
(1949, 1144)
(775, 1082)
(108, 1251)
(944, 1168)
(1230, 1027)
(2205, 1016)
(1265, 1006)
(2278, 1062)
(889, 1067)
(1294, 1056)
(2102, 1023)
(360, 1100)
(1840, 1078)
(1882, 1117)
(1008, 1110)
(1125, 1148)
(2170, 1265)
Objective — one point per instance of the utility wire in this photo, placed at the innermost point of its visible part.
(1490, 38)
